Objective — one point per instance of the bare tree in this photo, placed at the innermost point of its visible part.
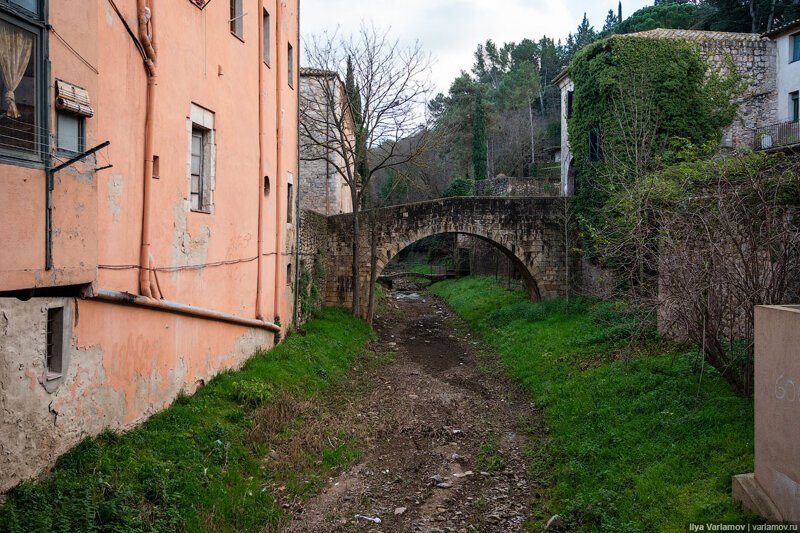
(393, 87)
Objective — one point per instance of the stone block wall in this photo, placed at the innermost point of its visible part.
(507, 186)
(313, 247)
(528, 231)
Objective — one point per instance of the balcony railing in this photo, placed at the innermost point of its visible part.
(777, 136)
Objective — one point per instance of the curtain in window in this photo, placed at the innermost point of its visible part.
(15, 53)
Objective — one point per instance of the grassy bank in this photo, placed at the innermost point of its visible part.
(199, 464)
(638, 440)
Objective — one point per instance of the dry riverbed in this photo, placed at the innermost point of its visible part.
(445, 437)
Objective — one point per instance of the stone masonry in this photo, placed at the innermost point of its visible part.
(529, 231)
(508, 186)
(755, 59)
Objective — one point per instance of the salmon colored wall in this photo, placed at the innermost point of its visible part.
(127, 362)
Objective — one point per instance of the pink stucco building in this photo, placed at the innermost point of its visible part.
(146, 267)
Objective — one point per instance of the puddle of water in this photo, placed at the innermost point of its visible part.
(406, 295)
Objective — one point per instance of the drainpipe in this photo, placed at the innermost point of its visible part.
(147, 282)
(297, 187)
(261, 174)
(279, 225)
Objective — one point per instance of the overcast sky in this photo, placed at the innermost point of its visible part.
(451, 29)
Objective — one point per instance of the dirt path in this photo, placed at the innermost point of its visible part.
(445, 436)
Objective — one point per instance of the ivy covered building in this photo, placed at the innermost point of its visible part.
(665, 60)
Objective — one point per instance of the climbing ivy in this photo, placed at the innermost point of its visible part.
(635, 97)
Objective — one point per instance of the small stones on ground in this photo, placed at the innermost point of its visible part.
(444, 485)
(463, 474)
(437, 478)
(400, 510)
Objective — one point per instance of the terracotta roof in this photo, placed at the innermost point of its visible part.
(309, 71)
(694, 35)
(561, 75)
(784, 28)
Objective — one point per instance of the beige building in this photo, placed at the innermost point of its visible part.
(327, 144)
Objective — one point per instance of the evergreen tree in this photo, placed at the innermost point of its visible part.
(584, 35)
(611, 21)
(479, 139)
(353, 93)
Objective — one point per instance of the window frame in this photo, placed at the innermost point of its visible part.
(290, 64)
(595, 145)
(36, 24)
(794, 40)
(236, 19)
(81, 132)
(570, 98)
(266, 44)
(54, 343)
(202, 177)
(289, 203)
(794, 106)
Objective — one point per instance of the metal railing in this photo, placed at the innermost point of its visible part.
(778, 135)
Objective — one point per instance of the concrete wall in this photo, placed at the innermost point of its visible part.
(788, 77)
(774, 491)
(128, 362)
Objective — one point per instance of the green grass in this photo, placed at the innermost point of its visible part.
(637, 440)
(192, 466)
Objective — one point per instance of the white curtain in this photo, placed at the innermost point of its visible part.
(15, 53)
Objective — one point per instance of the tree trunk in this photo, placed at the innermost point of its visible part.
(533, 143)
(753, 16)
(373, 268)
(356, 255)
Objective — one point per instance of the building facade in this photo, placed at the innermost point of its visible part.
(149, 157)
(325, 190)
(753, 56)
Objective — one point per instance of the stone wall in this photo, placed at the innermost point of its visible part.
(528, 231)
(311, 270)
(754, 58)
(324, 189)
(507, 186)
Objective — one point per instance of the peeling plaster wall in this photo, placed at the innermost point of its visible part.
(126, 364)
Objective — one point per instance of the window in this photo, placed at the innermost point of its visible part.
(289, 203)
(55, 342)
(265, 31)
(202, 159)
(28, 5)
(22, 120)
(198, 175)
(70, 135)
(595, 145)
(289, 274)
(290, 64)
(237, 19)
(795, 43)
(569, 103)
(794, 106)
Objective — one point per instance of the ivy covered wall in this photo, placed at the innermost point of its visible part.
(637, 102)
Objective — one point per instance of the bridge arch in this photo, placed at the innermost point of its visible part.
(528, 277)
(529, 231)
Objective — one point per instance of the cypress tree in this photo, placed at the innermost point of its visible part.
(479, 139)
(353, 92)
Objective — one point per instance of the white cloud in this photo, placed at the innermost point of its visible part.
(451, 29)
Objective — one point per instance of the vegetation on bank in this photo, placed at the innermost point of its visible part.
(199, 464)
(639, 439)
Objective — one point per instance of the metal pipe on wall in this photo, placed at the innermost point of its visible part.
(278, 159)
(262, 175)
(127, 298)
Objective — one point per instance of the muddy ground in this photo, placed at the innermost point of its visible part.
(446, 438)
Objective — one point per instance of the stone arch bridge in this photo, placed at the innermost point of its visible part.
(529, 231)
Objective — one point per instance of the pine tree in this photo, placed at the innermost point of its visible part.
(479, 139)
(353, 92)
(611, 21)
